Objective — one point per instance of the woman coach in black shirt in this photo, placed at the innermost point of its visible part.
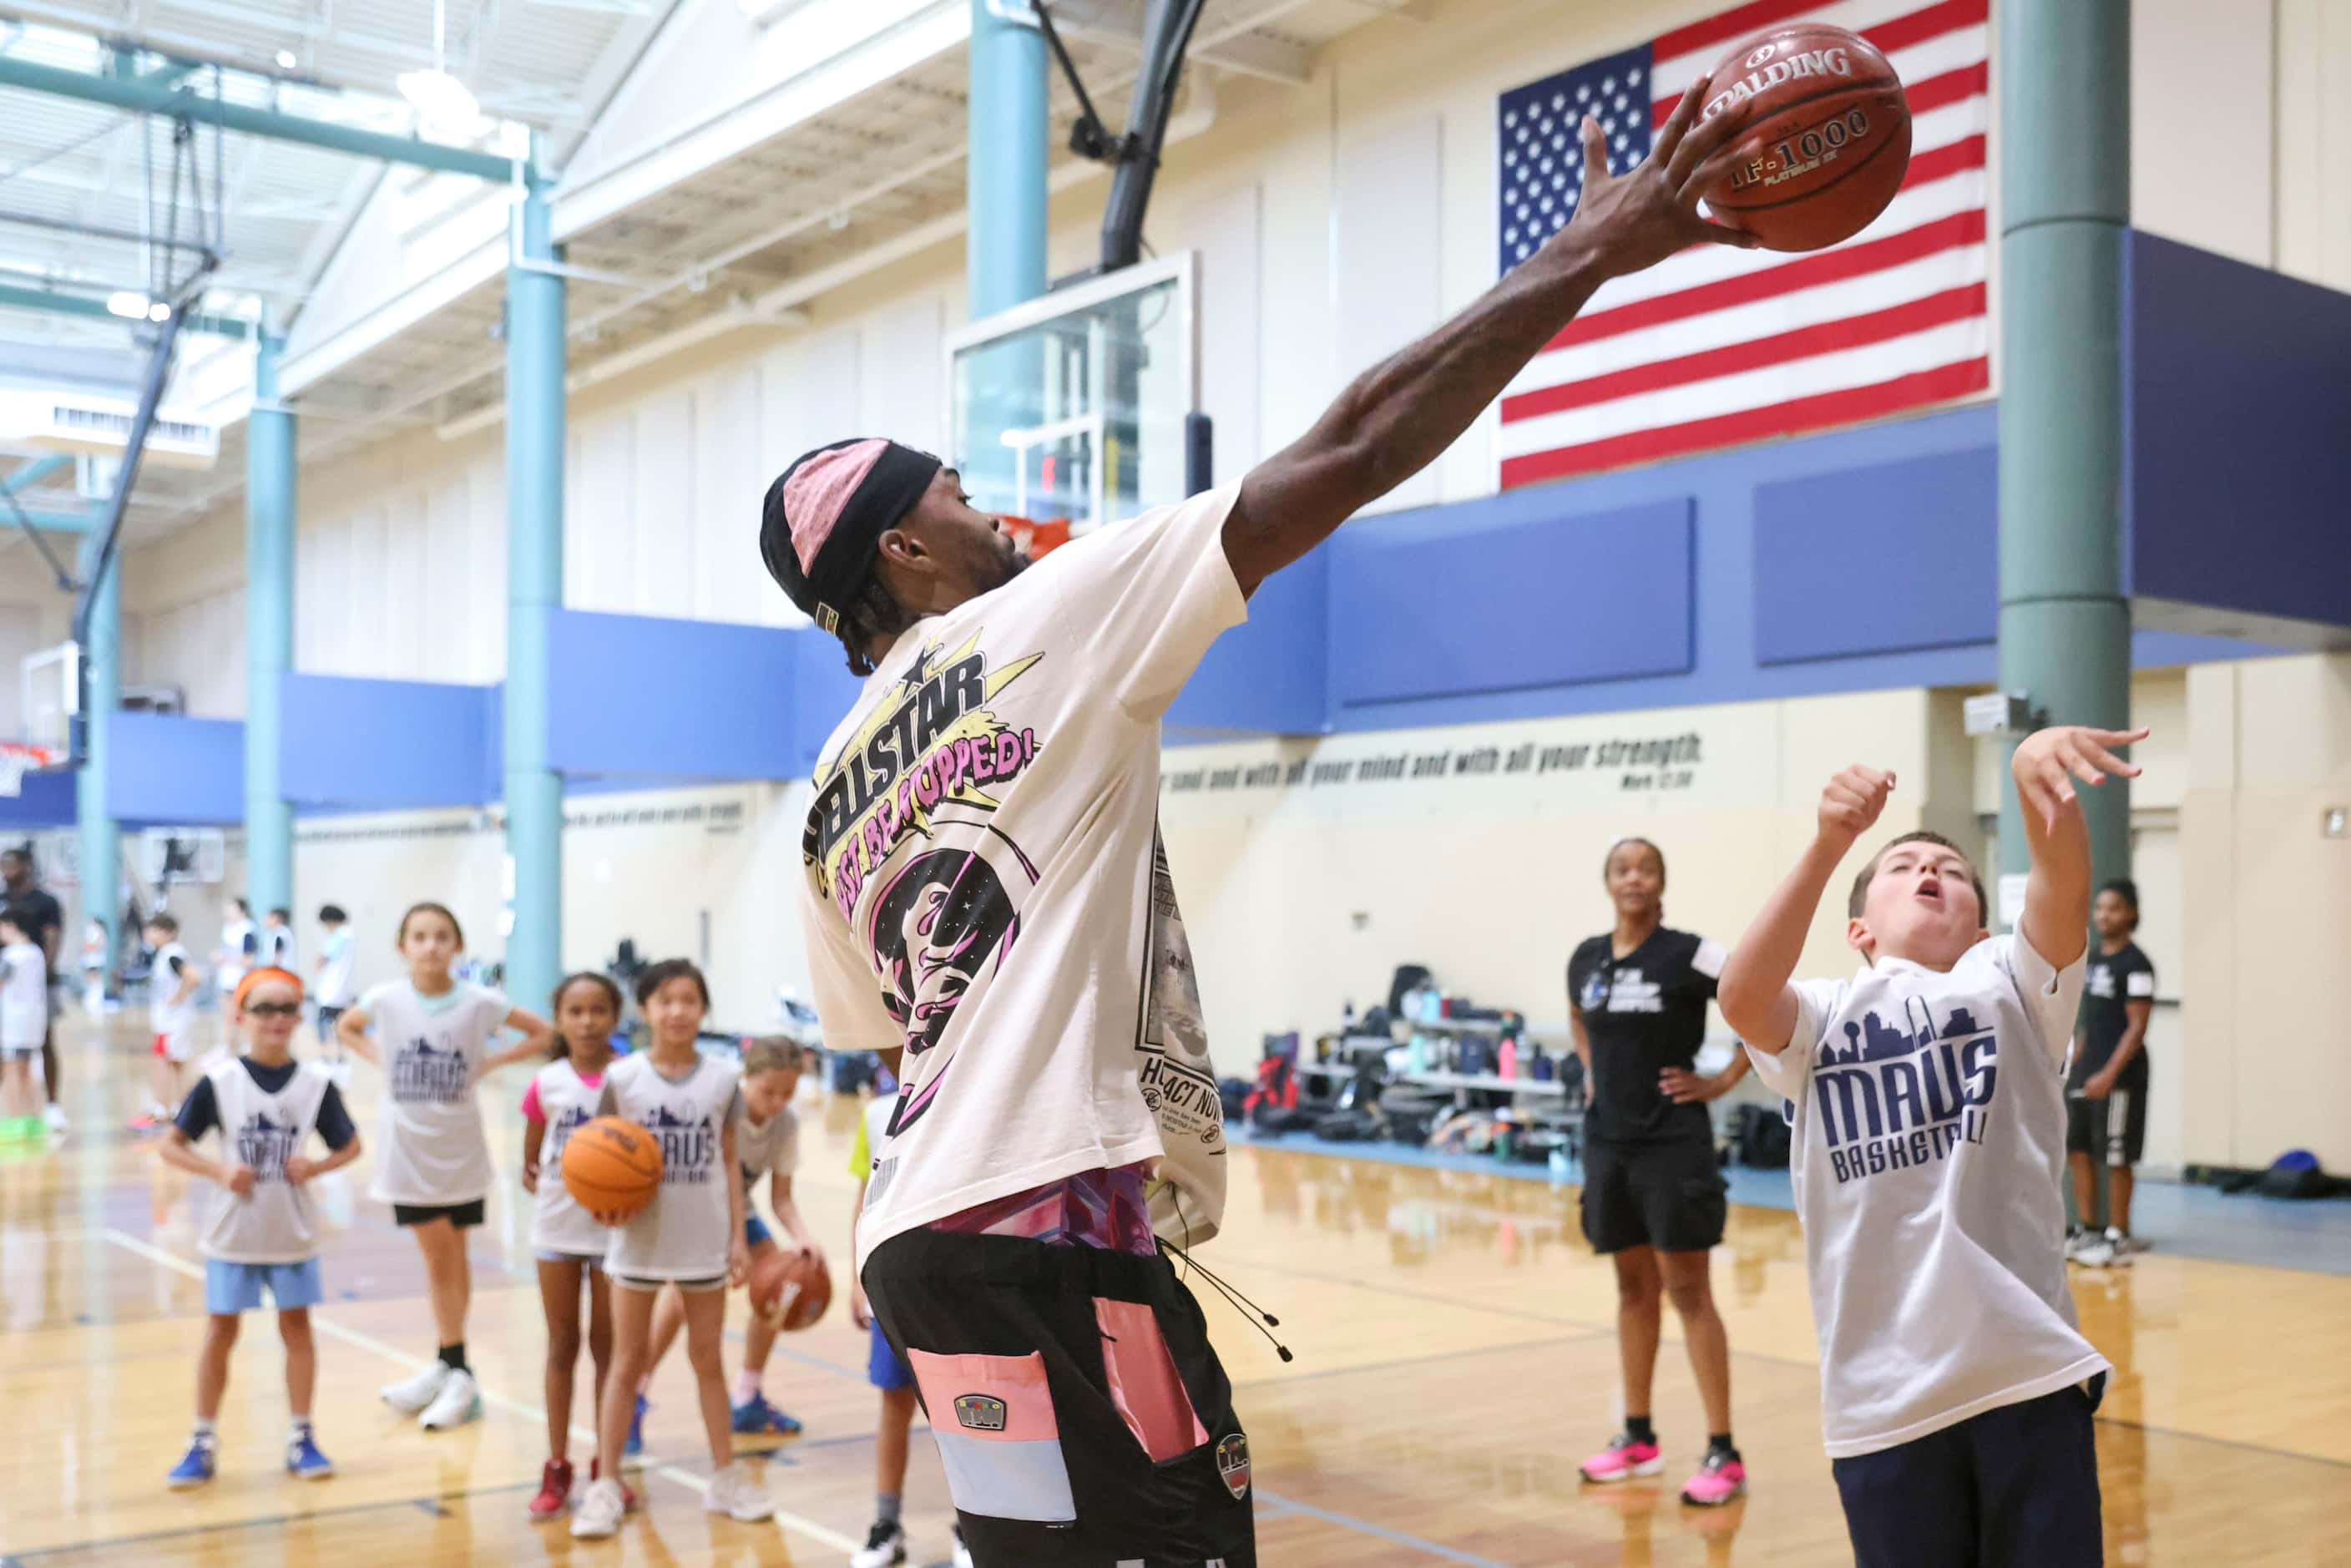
(1653, 1192)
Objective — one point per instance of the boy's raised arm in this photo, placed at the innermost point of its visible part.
(2056, 919)
(1756, 999)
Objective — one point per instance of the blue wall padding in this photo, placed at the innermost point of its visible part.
(387, 745)
(642, 694)
(2237, 429)
(162, 769)
(1884, 557)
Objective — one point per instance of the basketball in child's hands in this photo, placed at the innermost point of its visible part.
(790, 1289)
(611, 1166)
(1826, 142)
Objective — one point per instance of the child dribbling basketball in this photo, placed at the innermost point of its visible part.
(259, 1233)
(565, 1239)
(1927, 1098)
(689, 1234)
(433, 1034)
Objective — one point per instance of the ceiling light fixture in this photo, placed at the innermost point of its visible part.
(287, 60)
(441, 101)
(128, 304)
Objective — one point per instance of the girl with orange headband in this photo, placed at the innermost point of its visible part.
(261, 1230)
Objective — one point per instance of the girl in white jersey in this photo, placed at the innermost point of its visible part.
(690, 1234)
(432, 1036)
(1927, 1099)
(565, 1238)
(260, 1231)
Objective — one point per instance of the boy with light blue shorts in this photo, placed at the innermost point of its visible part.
(260, 1236)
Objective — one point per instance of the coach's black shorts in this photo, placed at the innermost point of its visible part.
(1668, 1196)
(2014, 1485)
(464, 1216)
(1082, 1418)
(2113, 1130)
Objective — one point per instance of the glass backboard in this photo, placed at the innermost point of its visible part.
(1075, 405)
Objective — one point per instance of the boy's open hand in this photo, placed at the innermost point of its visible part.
(2049, 761)
(1852, 802)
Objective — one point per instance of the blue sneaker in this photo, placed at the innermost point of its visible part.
(304, 1462)
(636, 1443)
(193, 1471)
(756, 1417)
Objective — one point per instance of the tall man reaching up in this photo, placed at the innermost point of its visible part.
(986, 889)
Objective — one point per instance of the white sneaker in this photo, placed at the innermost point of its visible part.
(598, 1512)
(962, 1552)
(2119, 1248)
(885, 1547)
(459, 1401)
(736, 1494)
(54, 1114)
(2096, 1252)
(410, 1395)
(2077, 1241)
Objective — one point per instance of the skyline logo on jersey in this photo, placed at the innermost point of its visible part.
(1892, 1097)
(422, 1072)
(689, 1145)
(934, 742)
(560, 1128)
(263, 1147)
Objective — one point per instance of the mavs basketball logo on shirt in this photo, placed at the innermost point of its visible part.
(1891, 1098)
(421, 1072)
(263, 1147)
(689, 1149)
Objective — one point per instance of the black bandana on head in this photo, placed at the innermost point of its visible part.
(824, 519)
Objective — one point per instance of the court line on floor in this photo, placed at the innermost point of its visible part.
(1379, 1531)
(367, 1342)
(222, 1527)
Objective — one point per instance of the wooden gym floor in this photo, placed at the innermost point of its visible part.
(1455, 1361)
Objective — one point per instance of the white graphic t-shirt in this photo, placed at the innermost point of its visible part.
(683, 1233)
(1927, 1152)
(566, 1102)
(979, 854)
(335, 973)
(431, 1151)
(172, 1020)
(24, 997)
(237, 946)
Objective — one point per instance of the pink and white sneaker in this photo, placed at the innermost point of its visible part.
(1720, 1480)
(1622, 1460)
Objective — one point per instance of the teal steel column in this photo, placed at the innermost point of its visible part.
(1004, 247)
(534, 791)
(2064, 627)
(268, 631)
(101, 694)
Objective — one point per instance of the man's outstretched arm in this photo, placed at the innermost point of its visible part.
(1395, 419)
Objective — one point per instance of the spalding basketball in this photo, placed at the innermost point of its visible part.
(611, 1166)
(790, 1289)
(1826, 142)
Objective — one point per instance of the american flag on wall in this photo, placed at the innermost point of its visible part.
(1714, 347)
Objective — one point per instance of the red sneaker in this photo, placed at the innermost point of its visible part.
(554, 1489)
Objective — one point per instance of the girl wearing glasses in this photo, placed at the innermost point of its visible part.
(260, 1233)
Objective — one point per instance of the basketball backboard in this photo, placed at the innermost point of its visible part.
(1078, 406)
(51, 687)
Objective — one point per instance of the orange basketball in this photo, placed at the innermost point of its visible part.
(1826, 142)
(791, 1288)
(611, 1166)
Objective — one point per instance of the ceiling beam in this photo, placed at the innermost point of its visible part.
(1236, 50)
(75, 305)
(143, 97)
(32, 471)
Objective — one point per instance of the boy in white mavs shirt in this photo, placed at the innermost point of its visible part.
(260, 1233)
(1927, 1095)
